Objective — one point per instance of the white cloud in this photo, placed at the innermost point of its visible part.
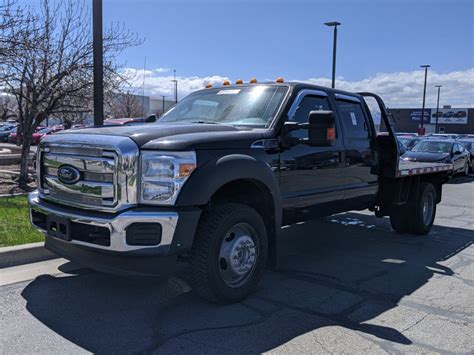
(405, 89)
(402, 89)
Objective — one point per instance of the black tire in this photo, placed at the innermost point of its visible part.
(206, 259)
(398, 221)
(420, 223)
(466, 168)
(412, 217)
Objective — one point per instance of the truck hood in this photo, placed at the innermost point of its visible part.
(425, 156)
(181, 136)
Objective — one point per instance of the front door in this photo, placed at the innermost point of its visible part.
(311, 176)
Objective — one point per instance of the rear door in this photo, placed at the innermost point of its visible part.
(359, 157)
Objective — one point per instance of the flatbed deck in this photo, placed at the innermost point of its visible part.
(408, 168)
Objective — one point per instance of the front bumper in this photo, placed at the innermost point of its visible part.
(114, 253)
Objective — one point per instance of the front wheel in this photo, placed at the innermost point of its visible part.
(466, 168)
(229, 253)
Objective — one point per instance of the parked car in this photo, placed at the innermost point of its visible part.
(469, 145)
(406, 134)
(4, 134)
(448, 114)
(40, 131)
(447, 151)
(442, 136)
(409, 142)
(38, 136)
(204, 182)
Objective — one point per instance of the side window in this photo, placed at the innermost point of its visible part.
(307, 104)
(353, 119)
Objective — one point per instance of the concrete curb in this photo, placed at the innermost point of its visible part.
(24, 254)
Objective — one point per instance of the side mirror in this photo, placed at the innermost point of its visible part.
(150, 118)
(322, 128)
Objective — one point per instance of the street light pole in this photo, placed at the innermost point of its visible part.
(437, 107)
(424, 97)
(334, 47)
(98, 62)
(163, 104)
(175, 86)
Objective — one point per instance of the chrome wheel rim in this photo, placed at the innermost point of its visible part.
(428, 204)
(238, 255)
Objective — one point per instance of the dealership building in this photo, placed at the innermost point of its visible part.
(448, 120)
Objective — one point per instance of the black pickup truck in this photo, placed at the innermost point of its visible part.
(214, 179)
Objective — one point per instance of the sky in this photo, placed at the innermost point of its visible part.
(381, 44)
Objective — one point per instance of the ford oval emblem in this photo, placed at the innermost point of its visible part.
(68, 174)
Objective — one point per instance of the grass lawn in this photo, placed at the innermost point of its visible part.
(15, 227)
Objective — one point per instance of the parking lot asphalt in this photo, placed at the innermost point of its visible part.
(347, 284)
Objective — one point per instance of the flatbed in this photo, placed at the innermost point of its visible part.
(409, 168)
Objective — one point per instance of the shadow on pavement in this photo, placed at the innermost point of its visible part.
(461, 179)
(340, 271)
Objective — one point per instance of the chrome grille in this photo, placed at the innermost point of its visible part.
(107, 166)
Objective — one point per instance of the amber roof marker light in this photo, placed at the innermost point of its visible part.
(280, 80)
(226, 83)
(208, 86)
(239, 81)
(253, 80)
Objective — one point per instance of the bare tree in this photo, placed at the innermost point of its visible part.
(125, 104)
(51, 71)
(7, 108)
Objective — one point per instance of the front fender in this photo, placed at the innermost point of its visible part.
(215, 173)
(208, 178)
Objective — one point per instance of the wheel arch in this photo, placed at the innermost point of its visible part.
(242, 179)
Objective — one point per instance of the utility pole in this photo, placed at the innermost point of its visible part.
(163, 104)
(422, 130)
(437, 107)
(334, 46)
(175, 86)
(98, 62)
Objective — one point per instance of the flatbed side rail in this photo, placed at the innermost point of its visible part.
(410, 168)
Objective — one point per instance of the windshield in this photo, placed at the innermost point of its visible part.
(433, 147)
(240, 106)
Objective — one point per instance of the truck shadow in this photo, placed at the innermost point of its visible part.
(461, 179)
(340, 271)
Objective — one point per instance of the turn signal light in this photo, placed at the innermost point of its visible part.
(253, 80)
(331, 134)
(239, 81)
(226, 82)
(208, 86)
(280, 80)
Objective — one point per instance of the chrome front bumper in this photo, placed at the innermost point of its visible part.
(116, 224)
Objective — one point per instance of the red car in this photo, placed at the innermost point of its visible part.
(38, 136)
(40, 132)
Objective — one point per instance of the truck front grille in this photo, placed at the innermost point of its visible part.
(96, 185)
(104, 167)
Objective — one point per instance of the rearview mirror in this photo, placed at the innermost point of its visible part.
(322, 128)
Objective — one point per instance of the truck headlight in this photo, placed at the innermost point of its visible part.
(163, 174)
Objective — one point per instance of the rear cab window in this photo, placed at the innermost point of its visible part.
(353, 119)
